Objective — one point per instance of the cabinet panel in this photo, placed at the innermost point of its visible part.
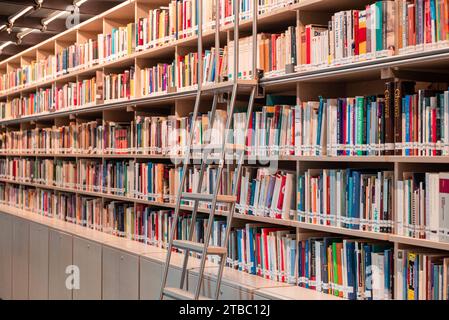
(20, 261)
(129, 277)
(87, 257)
(120, 275)
(5, 256)
(151, 273)
(111, 273)
(38, 271)
(60, 254)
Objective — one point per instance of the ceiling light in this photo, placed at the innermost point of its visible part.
(19, 14)
(53, 17)
(79, 2)
(24, 33)
(5, 44)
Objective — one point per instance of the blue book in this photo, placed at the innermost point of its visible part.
(239, 248)
(405, 106)
(350, 267)
(320, 120)
(368, 272)
(307, 261)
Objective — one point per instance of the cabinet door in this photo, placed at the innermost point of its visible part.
(129, 277)
(20, 245)
(111, 273)
(151, 273)
(5, 256)
(87, 257)
(120, 275)
(38, 271)
(60, 262)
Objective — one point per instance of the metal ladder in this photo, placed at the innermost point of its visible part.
(234, 86)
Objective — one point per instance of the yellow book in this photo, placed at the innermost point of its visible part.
(411, 270)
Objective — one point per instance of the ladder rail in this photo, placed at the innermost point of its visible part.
(232, 207)
(207, 141)
(196, 202)
(189, 146)
(216, 189)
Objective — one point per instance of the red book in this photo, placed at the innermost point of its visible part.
(308, 44)
(427, 22)
(258, 264)
(411, 25)
(283, 178)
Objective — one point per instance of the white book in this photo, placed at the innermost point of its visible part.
(400, 207)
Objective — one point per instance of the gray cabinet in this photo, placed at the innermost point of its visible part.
(120, 275)
(60, 262)
(38, 270)
(5, 256)
(228, 291)
(20, 261)
(87, 257)
(151, 273)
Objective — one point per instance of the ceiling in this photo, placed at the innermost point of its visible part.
(31, 21)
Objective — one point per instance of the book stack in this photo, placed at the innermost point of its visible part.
(267, 194)
(64, 206)
(158, 79)
(159, 27)
(280, 130)
(88, 212)
(75, 94)
(357, 126)
(160, 135)
(149, 181)
(422, 25)
(422, 275)
(422, 210)
(351, 35)
(269, 252)
(90, 175)
(347, 198)
(119, 86)
(351, 269)
(117, 137)
(275, 52)
(116, 44)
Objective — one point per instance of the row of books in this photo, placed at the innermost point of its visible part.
(422, 205)
(119, 85)
(269, 194)
(275, 52)
(350, 35)
(423, 24)
(422, 275)
(35, 71)
(77, 56)
(344, 267)
(347, 198)
(347, 268)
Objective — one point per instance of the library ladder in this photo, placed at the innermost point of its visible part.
(233, 87)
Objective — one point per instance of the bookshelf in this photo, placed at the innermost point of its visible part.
(360, 76)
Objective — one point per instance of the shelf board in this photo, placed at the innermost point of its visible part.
(419, 242)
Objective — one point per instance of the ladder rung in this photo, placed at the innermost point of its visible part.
(198, 247)
(227, 85)
(208, 197)
(180, 294)
(228, 147)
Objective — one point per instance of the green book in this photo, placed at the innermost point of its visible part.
(379, 26)
(334, 262)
